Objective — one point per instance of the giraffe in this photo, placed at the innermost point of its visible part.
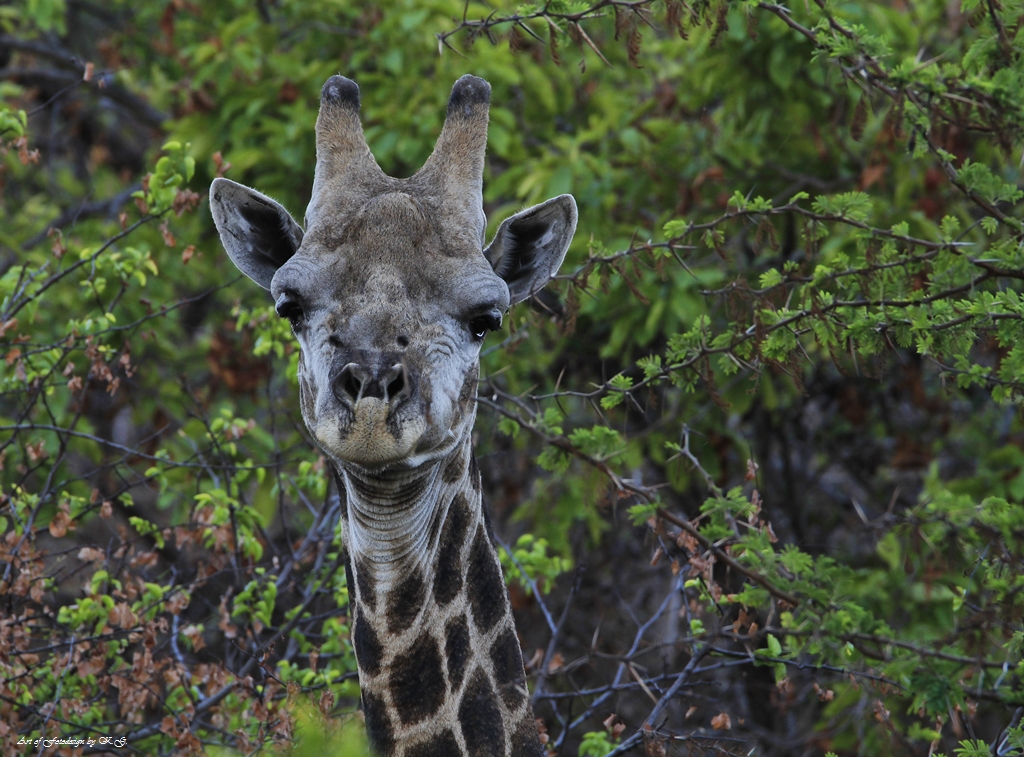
(390, 293)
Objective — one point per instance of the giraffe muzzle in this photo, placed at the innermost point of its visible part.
(377, 422)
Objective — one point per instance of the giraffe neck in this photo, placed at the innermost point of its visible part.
(440, 668)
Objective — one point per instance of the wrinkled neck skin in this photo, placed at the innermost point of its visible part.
(440, 669)
(389, 512)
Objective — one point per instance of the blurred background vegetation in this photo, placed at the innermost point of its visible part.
(757, 455)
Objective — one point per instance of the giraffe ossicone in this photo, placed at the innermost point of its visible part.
(390, 293)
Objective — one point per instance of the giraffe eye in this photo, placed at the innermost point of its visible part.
(288, 307)
(481, 324)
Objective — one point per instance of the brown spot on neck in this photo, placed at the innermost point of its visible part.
(367, 592)
(485, 587)
(449, 568)
(417, 681)
(369, 652)
(405, 602)
(480, 717)
(378, 725)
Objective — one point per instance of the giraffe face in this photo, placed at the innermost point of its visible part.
(390, 316)
(389, 289)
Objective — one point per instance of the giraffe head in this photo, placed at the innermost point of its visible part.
(389, 289)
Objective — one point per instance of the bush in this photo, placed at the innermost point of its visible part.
(760, 453)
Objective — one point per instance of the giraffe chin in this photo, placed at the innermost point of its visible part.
(373, 437)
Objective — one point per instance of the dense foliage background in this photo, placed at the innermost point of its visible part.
(757, 453)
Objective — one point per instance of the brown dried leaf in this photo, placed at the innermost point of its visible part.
(721, 24)
(553, 45)
(37, 451)
(25, 155)
(57, 248)
(633, 47)
(326, 702)
(190, 743)
(556, 662)
(168, 726)
(871, 175)
(654, 746)
(185, 201)
(59, 525)
(122, 616)
(165, 232)
(721, 722)
(92, 665)
(225, 624)
(516, 41)
(91, 554)
(125, 361)
(195, 636)
(742, 619)
(144, 560)
(686, 541)
(220, 164)
(674, 17)
(751, 473)
(178, 602)
(860, 117)
(755, 502)
(622, 22)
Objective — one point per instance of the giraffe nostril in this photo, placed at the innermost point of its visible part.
(403, 385)
(352, 385)
(348, 384)
(396, 385)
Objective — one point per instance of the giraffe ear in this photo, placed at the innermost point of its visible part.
(529, 247)
(257, 232)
